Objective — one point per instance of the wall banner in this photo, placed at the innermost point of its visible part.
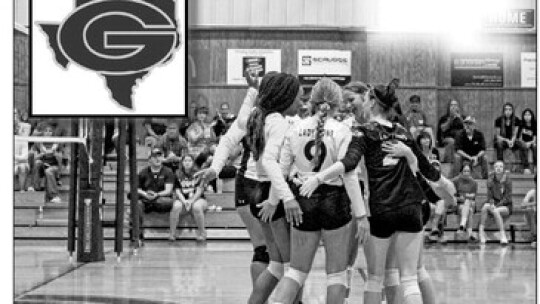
(315, 64)
(477, 70)
(528, 70)
(258, 60)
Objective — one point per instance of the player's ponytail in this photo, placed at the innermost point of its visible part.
(277, 93)
(325, 96)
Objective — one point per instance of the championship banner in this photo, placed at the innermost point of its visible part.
(259, 61)
(528, 70)
(107, 58)
(477, 70)
(315, 64)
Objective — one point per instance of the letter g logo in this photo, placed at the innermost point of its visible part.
(118, 37)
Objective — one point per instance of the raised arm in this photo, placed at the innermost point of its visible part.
(230, 140)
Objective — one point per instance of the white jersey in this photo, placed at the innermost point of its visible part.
(299, 147)
(233, 137)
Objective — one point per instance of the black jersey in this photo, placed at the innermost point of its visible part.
(392, 184)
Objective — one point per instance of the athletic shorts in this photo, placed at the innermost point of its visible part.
(404, 219)
(243, 186)
(328, 208)
(258, 195)
(426, 212)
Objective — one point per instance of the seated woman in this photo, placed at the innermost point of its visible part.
(22, 167)
(189, 198)
(425, 143)
(466, 189)
(506, 129)
(499, 202)
(47, 164)
(529, 205)
(449, 126)
(526, 139)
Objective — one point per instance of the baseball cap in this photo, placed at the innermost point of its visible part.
(469, 119)
(156, 152)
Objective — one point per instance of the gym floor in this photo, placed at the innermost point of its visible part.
(217, 272)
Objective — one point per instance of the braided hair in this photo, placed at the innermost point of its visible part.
(326, 95)
(277, 93)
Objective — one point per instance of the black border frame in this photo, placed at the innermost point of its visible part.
(30, 78)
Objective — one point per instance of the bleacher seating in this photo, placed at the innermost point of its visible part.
(36, 220)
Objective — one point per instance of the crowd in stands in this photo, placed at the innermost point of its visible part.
(181, 147)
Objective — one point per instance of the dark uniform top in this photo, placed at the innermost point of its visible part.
(391, 182)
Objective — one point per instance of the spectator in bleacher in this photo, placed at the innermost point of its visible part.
(416, 118)
(526, 139)
(154, 128)
(499, 201)
(189, 198)
(470, 146)
(466, 190)
(448, 128)
(223, 119)
(529, 205)
(200, 135)
(506, 130)
(47, 162)
(173, 145)
(22, 166)
(155, 192)
(425, 143)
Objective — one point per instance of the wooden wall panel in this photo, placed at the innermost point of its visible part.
(412, 58)
(421, 61)
(510, 46)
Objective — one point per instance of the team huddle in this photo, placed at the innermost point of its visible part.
(361, 182)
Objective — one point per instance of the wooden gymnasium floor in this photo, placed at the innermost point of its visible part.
(217, 272)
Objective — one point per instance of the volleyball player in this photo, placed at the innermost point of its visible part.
(267, 126)
(246, 177)
(313, 144)
(395, 194)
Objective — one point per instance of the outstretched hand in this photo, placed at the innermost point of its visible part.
(267, 211)
(252, 78)
(309, 186)
(293, 212)
(207, 175)
(362, 231)
(396, 149)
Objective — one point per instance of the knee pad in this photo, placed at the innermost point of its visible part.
(374, 283)
(423, 274)
(297, 276)
(391, 277)
(261, 255)
(410, 285)
(337, 278)
(276, 269)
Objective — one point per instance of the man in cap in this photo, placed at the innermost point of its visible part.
(155, 187)
(470, 146)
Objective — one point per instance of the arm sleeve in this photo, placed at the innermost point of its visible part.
(275, 130)
(355, 151)
(234, 135)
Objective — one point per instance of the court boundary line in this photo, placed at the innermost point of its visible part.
(47, 281)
